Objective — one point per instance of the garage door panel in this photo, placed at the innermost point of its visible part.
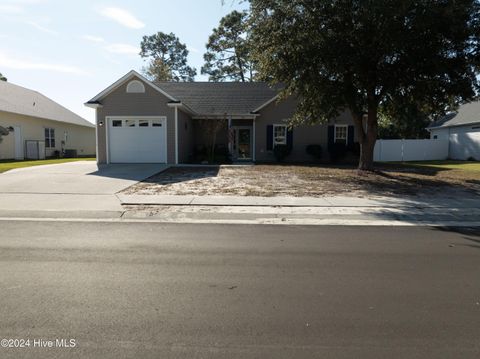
(137, 144)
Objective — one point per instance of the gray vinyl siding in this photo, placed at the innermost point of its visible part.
(121, 103)
(278, 113)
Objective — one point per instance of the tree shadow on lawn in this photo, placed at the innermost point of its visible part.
(382, 183)
(400, 180)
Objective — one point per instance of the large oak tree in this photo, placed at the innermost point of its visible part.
(364, 55)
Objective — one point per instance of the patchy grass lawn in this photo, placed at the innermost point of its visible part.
(452, 165)
(7, 165)
(313, 181)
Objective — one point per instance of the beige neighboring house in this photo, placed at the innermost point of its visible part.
(38, 126)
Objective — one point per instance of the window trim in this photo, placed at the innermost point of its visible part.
(135, 86)
(273, 134)
(335, 133)
(49, 138)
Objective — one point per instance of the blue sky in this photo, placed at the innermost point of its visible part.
(70, 50)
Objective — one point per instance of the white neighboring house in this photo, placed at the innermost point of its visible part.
(39, 127)
(462, 130)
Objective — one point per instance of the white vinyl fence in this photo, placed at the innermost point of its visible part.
(410, 150)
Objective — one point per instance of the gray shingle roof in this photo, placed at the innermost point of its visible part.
(467, 114)
(19, 100)
(217, 98)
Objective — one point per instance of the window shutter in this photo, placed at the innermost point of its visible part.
(269, 137)
(331, 134)
(290, 137)
(351, 135)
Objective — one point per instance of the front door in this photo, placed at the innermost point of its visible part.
(243, 144)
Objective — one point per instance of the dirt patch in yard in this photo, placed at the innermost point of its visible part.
(299, 181)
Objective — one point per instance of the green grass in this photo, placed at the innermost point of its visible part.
(451, 165)
(6, 165)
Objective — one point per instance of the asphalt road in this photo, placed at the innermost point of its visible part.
(124, 290)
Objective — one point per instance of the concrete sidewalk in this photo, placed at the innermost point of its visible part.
(248, 210)
(336, 201)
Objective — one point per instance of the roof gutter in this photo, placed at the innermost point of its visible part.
(245, 116)
(180, 104)
(94, 105)
(454, 125)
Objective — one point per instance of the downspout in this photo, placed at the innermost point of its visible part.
(96, 135)
(254, 140)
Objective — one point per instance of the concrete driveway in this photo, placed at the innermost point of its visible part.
(76, 189)
(83, 177)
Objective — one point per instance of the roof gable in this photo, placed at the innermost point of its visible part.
(132, 74)
(467, 113)
(23, 101)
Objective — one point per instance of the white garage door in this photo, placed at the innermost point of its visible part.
(137, 140)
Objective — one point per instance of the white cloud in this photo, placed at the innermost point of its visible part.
(10, 9)
(93, 38)
(194, 50)
(123, 49)
(123, 17)
(19, 64)
(25, 1)
(41, 27)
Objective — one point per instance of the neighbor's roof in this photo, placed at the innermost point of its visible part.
(468, 113)
(217, 98)
(19, 100)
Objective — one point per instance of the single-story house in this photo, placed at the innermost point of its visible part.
(38, 127)
(166, 122)
(462, 130)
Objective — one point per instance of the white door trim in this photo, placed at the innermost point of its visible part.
(251, 129)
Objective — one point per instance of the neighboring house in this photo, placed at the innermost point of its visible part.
(462, 130)
(39, 126)
(142, 121)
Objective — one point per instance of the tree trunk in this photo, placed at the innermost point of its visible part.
(367, 137)
(366, 153)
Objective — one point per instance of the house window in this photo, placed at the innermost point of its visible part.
(117, 123)
(435, 137)
(341, 134)
(279, 135)
(50, 138)
(142, 123)
(135, 86)
(156, 123)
